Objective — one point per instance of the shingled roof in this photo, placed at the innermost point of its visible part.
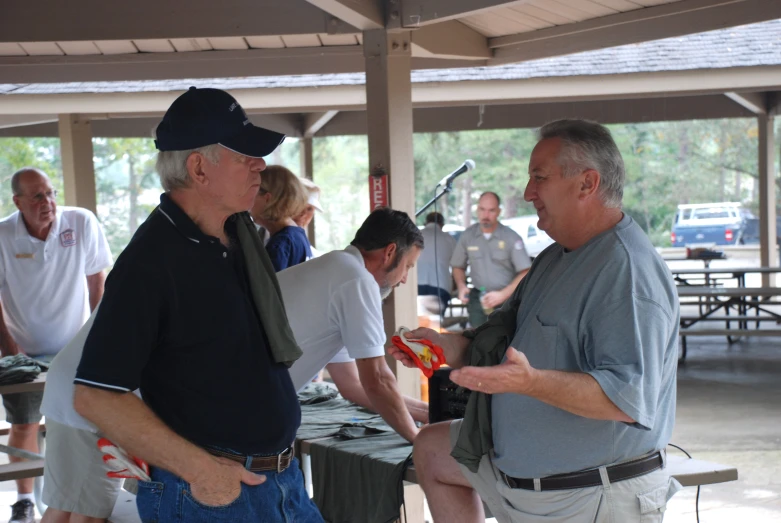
(742, 46)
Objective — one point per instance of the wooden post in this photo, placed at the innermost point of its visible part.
(307, 171)
(767, 197)
(389, 114)
(78, 170)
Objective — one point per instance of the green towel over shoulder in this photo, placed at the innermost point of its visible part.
(266, 293)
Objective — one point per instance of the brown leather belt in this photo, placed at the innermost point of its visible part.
(278, 462)
(590, 477)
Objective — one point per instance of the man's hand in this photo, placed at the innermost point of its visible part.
(417, 334)
(514, 375)
(493, 299)
(221, 485)
(463, 294)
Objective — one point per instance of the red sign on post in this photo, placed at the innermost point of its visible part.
(378, 191)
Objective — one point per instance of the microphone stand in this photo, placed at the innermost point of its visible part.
(446, 189)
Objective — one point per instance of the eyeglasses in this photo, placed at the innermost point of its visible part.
(41, 196)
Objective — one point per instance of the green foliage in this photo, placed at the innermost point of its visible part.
(127, 185)
(15, 153)
(667, 163)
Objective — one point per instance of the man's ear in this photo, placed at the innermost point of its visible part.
(389, 254)
(16, 202)
(195, 164)
(589, 183)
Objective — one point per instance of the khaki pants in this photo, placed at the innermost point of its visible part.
(642, 499)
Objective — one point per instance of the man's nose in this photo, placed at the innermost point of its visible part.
(258, 164)
(529, 193)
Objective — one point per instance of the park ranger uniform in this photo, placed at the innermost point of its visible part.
(493, 262)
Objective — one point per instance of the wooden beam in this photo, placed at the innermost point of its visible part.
(54, 20)
(362, 14)
(651, 23)
(78, 171)
(424, 94)
(451, 119)
(417, 13)
(450, 39)
(754, 102)
(313, 122)
(17, 120)
(200, 64)
(532, 115)
(162, 66)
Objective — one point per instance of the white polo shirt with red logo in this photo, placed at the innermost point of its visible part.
(43, 285)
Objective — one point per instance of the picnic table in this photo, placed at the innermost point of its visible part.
(711, 276)
(735, 305)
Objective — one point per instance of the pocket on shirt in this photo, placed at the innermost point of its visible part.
(539, 344)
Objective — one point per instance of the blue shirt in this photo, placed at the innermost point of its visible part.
(288, 247)
(608, 309)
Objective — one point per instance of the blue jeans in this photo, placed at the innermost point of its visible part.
(281, 499)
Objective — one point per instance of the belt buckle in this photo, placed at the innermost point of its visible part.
(288, 451)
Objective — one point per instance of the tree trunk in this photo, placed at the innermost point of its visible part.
(467, 200)
(132, 191)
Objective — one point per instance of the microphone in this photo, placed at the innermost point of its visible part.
(468, 166)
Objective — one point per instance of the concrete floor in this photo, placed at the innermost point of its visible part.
(729, 411)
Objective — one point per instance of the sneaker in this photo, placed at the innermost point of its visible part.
(22, 512)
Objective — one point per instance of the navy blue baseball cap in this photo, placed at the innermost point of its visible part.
(202, 117)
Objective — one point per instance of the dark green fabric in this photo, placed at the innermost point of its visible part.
(20, 368)
(357, 472)
(489, 343)
(358, 477)
(266, 293)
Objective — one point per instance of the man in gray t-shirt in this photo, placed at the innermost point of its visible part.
(583, 404)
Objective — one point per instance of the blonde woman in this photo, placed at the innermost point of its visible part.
(281, 197)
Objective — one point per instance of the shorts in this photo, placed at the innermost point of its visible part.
(642, 499)
(23, 408)
(74, 475)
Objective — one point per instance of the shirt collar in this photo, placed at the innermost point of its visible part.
(183, 223)
(354, 251)
(22, 233)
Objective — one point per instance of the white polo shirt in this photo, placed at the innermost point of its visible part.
(43, 286)
(332, 302)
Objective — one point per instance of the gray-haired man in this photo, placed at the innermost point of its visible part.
(584, 408)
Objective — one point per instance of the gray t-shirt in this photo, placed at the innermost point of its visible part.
(434, 261)
(493, 262)
(608, 309)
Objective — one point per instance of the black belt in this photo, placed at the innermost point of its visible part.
(590, 477)
(278, 462)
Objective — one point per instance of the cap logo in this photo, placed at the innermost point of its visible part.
(233, 106)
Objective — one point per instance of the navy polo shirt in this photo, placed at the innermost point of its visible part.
(177, 320)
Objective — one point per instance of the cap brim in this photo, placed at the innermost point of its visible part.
(255, 142)
(314, 201)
